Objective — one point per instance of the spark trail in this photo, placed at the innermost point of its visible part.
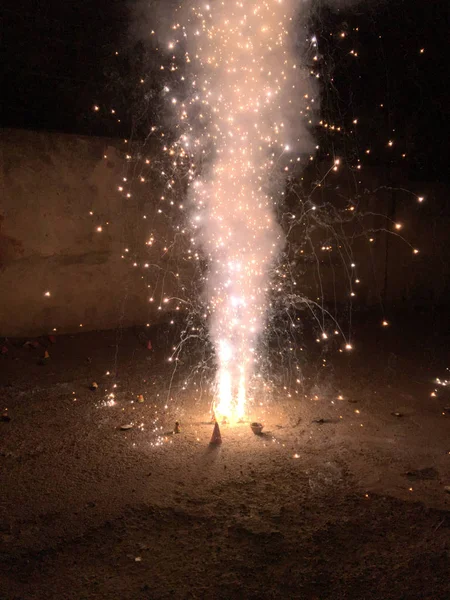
(246, 124)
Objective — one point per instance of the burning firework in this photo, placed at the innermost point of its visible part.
(245, 119)
(240, 79)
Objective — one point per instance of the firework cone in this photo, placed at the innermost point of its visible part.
(216, 438)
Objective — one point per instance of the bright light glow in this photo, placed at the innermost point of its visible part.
(243, 66)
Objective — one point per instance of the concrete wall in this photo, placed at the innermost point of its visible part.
(390, 273)
(51, 183)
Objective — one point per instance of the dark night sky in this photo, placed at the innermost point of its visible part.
(59, 59)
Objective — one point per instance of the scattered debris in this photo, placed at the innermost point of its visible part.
(33, 344)
(140, 398)
(216, 438)
(177, 427)
(5, 417)
(256, 428)
(126, 427)
(44, 360)
(94, 386)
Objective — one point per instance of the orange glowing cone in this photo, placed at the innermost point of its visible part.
(216, 438)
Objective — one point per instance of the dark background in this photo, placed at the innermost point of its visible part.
(59, 59)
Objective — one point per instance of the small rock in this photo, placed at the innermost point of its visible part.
(256, 428)
(397, 414)
(140, 398)
(126, 427)
(94, 386)
(447, 489)
(138, 559)
(5, 417)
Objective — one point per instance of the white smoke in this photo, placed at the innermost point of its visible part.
(245, 123)
(249, 111)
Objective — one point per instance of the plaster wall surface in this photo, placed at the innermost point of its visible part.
(56, 190)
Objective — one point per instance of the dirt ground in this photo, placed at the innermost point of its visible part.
(338, 499)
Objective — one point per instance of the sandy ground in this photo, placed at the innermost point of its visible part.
(353, 507)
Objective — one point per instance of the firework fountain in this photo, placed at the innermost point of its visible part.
(245, 123)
